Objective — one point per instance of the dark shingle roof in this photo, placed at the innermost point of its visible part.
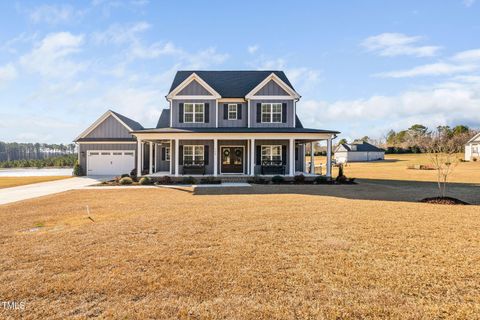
(134, 125)
(361, 146)
(105, 139)
(230, 84)
(164, 120)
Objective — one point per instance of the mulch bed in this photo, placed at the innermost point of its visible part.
(444, 200)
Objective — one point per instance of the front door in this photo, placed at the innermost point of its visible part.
(232, 159)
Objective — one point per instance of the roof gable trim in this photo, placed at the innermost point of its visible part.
(186, 82)
(99, 121)
(474, 138)
(272, 77)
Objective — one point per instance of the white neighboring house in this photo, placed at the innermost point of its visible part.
(472, 148)
(358, 151)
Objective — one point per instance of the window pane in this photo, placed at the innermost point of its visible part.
(277, 107)
(276, 117)
(199, 107)
(266, 117)
(188, 107)
(266, 107)
(188, 150)
(198, 117)
(188, 117)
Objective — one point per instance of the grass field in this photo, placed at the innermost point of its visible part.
(7, 182)
(159, 253)
(395, 168)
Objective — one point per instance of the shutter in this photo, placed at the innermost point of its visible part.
(207, 112)
(163, 154)
(180, 155)
(259, 155)
(180, 112)
(205, 155)
(239, 111)
(296, 153)
(284, 155)
(259, 112)
(284, 112)
(225, 111)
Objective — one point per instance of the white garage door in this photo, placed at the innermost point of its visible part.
(110, 162)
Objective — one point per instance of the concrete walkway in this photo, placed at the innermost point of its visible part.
(9, 195)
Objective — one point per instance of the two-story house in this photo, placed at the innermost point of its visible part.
(218, 123)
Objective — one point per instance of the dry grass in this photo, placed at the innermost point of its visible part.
(395, 168)
(171, 254)
(7, 182)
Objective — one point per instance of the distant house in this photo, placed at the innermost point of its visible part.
(472, 148)
(358, 151)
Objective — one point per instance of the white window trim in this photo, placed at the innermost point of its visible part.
(167, 153)
(271, 153)
(271, 112)
(194, 112)
(193, 151)
(236, 111)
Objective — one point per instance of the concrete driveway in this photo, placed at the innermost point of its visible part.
(35, 190)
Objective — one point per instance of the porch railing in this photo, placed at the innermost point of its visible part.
(272, 167)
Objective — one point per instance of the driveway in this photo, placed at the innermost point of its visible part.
(35, 190)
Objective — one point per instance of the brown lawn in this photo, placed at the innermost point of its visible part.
(159, 253)
(7, 182)
(395, 168)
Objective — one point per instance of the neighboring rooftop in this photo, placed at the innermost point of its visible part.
(361, 146)
(230, 84)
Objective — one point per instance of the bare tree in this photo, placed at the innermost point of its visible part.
(442, 151)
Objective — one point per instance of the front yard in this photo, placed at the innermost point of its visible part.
(167, 253)
(8, 182)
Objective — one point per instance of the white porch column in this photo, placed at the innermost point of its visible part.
(139, 158)
(252, 157)
(312, 158)
(142, 152)
(304, 158)
(329, 157)
(215, 157)
(291, 158)
(150, 157)
(170, 163)
(155, 160)
(177, 152)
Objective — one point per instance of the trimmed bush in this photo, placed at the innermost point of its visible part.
(258, 180)
(189, 180)
(145, 181)
(320, 180)
(124, 175)
(126, 181)
(299, 179)
(77, 169)
(210, 180)
(278, 179)
(165, 180)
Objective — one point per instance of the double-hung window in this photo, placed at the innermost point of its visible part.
(271, 112)
(194, 113)
(232, 112)
(272, 153)
(193, 154)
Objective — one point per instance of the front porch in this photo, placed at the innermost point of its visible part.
(201, 156)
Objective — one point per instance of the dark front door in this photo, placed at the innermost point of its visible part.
(232, 159)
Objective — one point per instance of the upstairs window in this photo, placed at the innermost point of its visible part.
(194, 113)
(232, 112)
(271, 112)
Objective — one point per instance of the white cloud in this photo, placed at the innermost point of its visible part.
(433, 69)
(397, 44)
(7, 73)
(440, 104)
(252, 49)
(467, 56)
(51, 56)
(54, 14)
(468, 3)
(121, 34)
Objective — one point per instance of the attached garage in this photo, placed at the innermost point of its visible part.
(107, 148)
(110, 162)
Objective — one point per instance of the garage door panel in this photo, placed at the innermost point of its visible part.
(110, 162)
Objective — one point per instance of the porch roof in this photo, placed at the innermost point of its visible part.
(235, 130)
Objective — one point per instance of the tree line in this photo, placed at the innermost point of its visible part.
(418, 137)
(16, 155)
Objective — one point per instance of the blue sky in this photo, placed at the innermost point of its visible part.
(362, 67)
